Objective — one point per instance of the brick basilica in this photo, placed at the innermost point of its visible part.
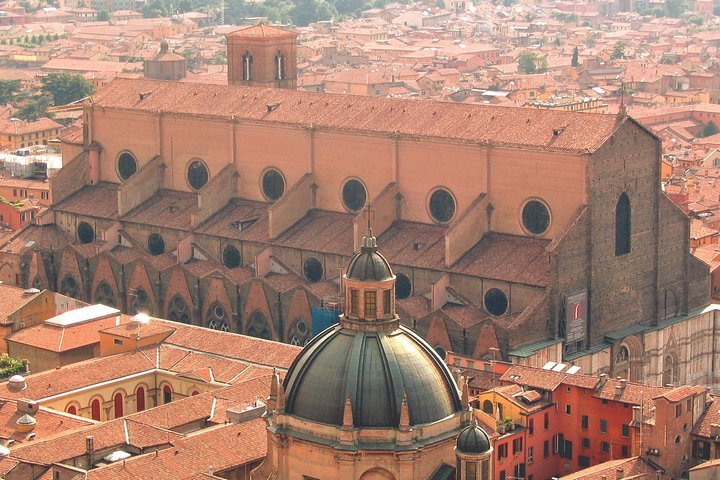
(520, 234)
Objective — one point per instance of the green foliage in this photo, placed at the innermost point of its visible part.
(565, 17)
(710, 129)
(696, 20)
(667, 60)
(103, 15)
(8, 89)
(575, 62)
(675, 8)
(10, 366)
(619, 51)
(34, 109)
(440, 3)
(531, 62)
(64, 88)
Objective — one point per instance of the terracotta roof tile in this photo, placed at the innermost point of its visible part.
(99, 200)
(262, 30)
(321, 231)
(217, 448)
(630, 468)
(34, 237)
(49, 423)
(507, 257)
(227, 222)
(112, 434)
(492, 125)
(711, 417)
(167, 209)
(11, 299)
(58, 339)
(81, 374)
(248, 349)
(414, 244)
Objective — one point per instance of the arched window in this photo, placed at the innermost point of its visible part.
(95, 409)
(140, 399)
(178, 310)
(118, 403)
(299, 333)
(72, 410)
(104, 294)
(258, 326)
(217, 318)
(247, 67)
(140, 301)
(670, 370)
(167, 394)
(622, 225)
(488, 407)
(194, 392)
(280, 66)
(69, 287)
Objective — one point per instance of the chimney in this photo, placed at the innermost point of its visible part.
(620, 387)
(637, 414)
(90, 450)
(25, 405)
(603, 381)
(619, 473)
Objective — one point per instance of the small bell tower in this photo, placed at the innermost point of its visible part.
(262, 56)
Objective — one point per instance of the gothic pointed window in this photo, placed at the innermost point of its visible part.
(105, 295)
(217, 318)
(299, 333)
(622, 225)
(140, 301)
(178, 310)
(69, 287)
(280, 66)
(258, 326)
(247, 67)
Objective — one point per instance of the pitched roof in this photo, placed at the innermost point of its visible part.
(575, 132)
(248, 349)
(262, 30)
(59, 339)
(626, 468)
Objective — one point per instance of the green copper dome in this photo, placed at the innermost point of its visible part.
(368, 264)
(373, 369)
(473, 440)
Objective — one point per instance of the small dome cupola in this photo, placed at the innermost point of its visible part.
(473, 451)
(369, 286)
(473, 441)
(368, 264)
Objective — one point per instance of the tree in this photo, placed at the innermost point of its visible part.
(64, 88)
(34, 109)
(103, 15)
(675, 8)
(575, 62)
(619, 51)
(710, 129)
(667, 60)
(8, 89)
(527, 62)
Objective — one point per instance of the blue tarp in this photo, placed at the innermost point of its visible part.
(322, 319)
